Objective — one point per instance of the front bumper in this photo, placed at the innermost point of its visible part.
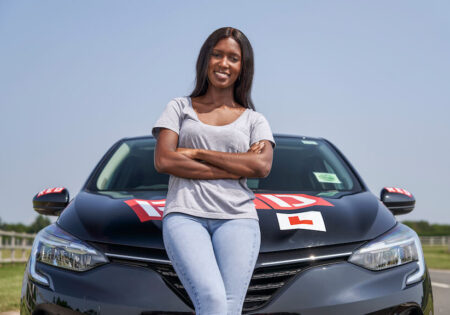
(328, 288)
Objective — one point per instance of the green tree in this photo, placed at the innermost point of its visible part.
(39, 223)
(423, 228)
(14, 227)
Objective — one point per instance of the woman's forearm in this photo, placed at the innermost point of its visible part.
(168, 160)
(179, 165)
(237, 163)
(248, 164)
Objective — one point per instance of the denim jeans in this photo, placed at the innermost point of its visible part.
(213, 258)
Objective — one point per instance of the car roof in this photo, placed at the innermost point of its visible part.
(275, 135)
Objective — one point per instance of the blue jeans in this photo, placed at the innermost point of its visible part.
(214, 259)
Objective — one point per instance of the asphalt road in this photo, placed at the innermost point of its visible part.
(440, 281)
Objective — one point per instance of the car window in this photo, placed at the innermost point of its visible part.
(309, 166)
(131, 167)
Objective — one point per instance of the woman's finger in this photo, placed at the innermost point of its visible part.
(254, 147)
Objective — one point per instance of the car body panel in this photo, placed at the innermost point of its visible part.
(118, 288)
(102, 218)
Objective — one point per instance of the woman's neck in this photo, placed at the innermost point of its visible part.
(219, 97)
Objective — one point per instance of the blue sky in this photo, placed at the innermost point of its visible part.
(373, 77)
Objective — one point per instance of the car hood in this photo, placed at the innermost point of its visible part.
(287, 221)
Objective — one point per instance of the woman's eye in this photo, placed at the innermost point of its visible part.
(234, 58)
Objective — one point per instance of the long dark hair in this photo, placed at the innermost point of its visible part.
(243, 85)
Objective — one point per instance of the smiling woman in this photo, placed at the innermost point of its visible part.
(225, 63)
(209, 143)
(238, 46)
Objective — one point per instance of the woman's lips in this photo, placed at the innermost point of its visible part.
(221, 76)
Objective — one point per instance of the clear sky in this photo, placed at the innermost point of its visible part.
(373, 77)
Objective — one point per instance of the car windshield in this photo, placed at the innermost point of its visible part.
(299, 165)
(309, 166)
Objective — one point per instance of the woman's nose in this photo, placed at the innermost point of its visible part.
(223, 62)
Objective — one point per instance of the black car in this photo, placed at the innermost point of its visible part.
(328, 245)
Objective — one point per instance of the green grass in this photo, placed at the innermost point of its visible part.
(6, 253)
(437, 257)
(10, 285)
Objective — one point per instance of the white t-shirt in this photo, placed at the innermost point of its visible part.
(213, 198)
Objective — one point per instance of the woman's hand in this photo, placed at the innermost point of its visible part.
(188, 152)
(256, 147)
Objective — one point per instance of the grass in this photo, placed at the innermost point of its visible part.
(10, 286)
(6, 253)
(437, 257)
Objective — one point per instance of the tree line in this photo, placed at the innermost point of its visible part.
(39, 223)
(423, 228)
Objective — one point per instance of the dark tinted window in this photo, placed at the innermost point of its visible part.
(307, 165)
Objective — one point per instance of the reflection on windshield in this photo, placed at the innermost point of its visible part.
(131, 168)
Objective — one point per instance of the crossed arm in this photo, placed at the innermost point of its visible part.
(207, 164)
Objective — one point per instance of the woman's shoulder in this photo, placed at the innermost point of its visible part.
(180, 102)
(178, 105)
(255, 116)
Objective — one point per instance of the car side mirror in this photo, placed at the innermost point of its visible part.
(398, 200)
(51, 201)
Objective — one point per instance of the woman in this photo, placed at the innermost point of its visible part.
(209, 143)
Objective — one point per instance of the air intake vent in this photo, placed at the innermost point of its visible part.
(265, 282)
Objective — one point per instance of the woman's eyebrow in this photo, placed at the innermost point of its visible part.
(215, 50)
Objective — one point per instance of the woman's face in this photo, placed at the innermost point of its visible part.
(224, 63)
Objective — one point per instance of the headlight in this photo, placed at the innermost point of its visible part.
(399, 246)
(55, 247)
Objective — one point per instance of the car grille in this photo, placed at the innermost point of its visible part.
(273, 271)
(265, 282)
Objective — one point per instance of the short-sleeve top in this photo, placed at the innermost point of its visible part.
(213, 198)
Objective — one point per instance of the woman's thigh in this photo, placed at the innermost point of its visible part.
(188, 244)
(236, 245)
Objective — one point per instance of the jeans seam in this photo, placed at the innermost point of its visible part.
(251, 267)
(187, 279)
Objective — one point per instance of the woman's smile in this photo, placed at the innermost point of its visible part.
(221, 75)
(225, 63)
